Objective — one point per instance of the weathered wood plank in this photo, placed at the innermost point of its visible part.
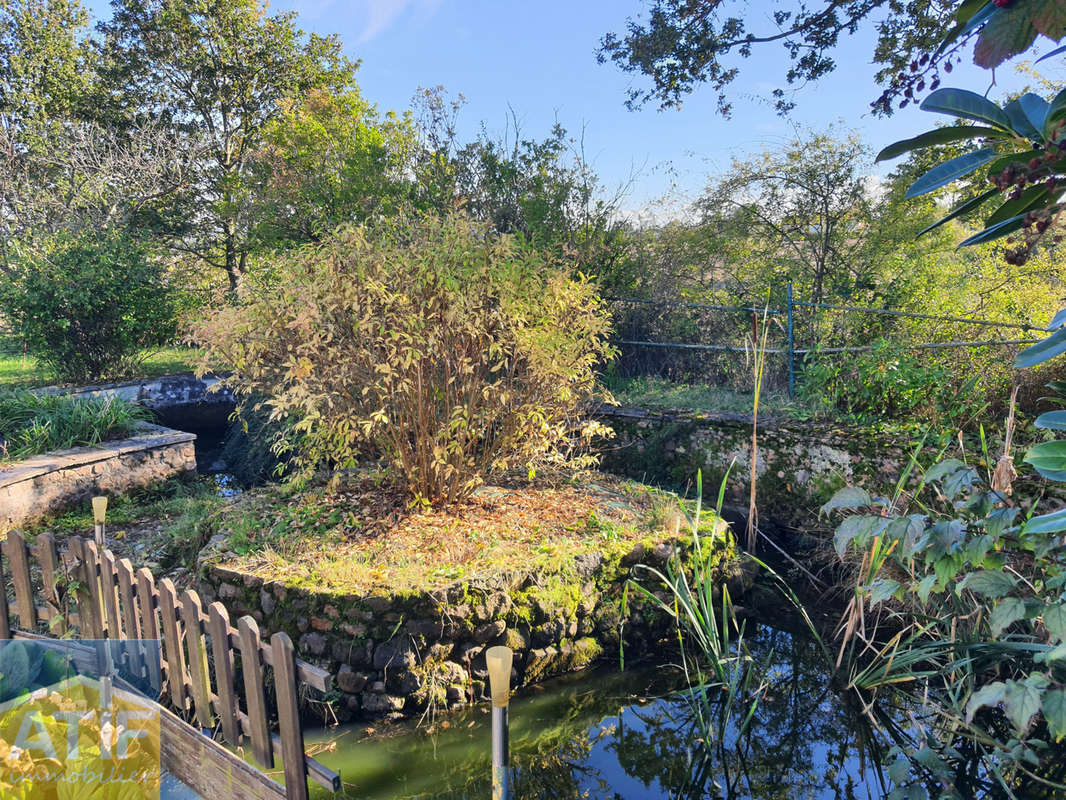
(19, 562)
(91, 573)
(292, 737)
(219, 627)
(315, 677)
(131, 624)
(196, 648)
(171, 638)
(48, 558)
(254, 697)
(149, 626)
(109, 595)
(5, 621)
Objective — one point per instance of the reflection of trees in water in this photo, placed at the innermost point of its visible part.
(800, 743)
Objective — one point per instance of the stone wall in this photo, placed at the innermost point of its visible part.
(396, 653)
(799, 465)
(48, 483)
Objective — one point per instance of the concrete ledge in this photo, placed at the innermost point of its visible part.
(48, 483)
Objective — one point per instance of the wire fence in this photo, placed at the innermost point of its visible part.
(712, 344)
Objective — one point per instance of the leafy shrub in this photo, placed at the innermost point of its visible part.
(453, 354)
(886, 382)
(32, 424)
(88, 304)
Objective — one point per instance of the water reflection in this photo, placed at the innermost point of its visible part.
(604, 735)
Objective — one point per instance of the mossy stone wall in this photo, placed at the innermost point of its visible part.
(399, 653)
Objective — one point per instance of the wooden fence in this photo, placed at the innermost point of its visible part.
(205, 668)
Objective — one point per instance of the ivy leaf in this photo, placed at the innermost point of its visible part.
(858, 528)
(988, 583)
(1049, 18)
(1055, 621)
(899, 770)
(849, 497)
(1049, 657)
(1006, 612)
(945, 467)
(991, 694)
(999, 520)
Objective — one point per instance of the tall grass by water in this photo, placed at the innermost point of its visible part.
(31, 424)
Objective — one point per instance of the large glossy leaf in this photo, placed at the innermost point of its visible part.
(1048, 458)
(1056, 109)
(1030, 198)
(958, 167)
(970, 15)
(1052, 54)
(1047, 523)
(952, 133)
(997, 231)
(1042, 351)
(1021, 121)
(1055, 420)
(960, 209)
(1036, 109)
(1024, 157)
(968, 105)
(1057, 321)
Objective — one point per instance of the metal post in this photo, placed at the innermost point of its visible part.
(498, 660)
(791, 347)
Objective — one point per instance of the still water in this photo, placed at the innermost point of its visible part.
(608, 734)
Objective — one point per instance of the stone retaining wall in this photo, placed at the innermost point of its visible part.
(398, 653)
(48, 483)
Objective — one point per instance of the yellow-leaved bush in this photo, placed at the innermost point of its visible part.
(452, 353)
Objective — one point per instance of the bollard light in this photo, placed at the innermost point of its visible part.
(99, 517)
(498, 660)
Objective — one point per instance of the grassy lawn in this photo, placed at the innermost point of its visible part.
(26, 372)
(660, 393)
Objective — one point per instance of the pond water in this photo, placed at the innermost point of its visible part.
(608, 734)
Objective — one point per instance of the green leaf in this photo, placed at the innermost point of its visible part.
(1055, 420)
(1028, 199)
(1022, 700)
(1055, 621)
(968, 105)
(882, 589)
(945, 467)
(952, 170)
(849, 497)
(1048, 458)
(1054, 522)
(1053, 705)
(959, 210)
(1036, 110)
(991, 694)
(1022, 122)
(997, 231)
(1006, 612)
(989, 583)
(898, 770)
(952, 133)
(1042, 351)
(859, 528)
(925, 587)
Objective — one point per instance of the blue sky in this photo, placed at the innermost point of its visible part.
(539, 59)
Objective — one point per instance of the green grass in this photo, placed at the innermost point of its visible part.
(660, 393)
(32, 424)
(16, 370)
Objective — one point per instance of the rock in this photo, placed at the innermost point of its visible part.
(432, 629)
(320, 624)
(357, 631)
(586, 564)
(541, 664)
(514, 639)
(382, 703)
(350, 681)
(313, 643)
(377, 687)
(355, 654)
(377, 603)
(394, 656)
(467, 652)
(489, 631)
(227, 591)
(331, 612)
(267, 602)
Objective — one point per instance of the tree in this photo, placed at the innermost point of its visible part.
(222, 71)
(685, 43)
(805, 214)
(326, 160)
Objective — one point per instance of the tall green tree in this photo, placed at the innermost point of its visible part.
(220, 71)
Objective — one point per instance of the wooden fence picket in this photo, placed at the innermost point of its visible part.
(115, 602)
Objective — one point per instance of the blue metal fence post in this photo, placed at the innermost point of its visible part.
(791, 347)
